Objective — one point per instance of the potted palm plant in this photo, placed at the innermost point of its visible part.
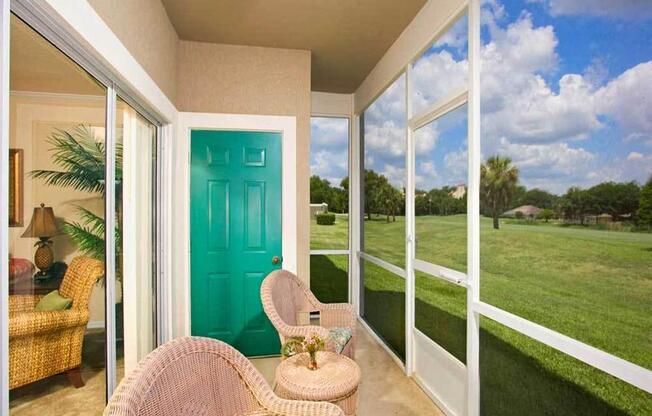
(82, 162)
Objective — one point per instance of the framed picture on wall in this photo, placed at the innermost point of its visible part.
(15, 187)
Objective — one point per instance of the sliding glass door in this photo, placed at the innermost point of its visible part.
(57, 338)
(82, 301)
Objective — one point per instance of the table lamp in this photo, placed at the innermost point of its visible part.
(42, 226)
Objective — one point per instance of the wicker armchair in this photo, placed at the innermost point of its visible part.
(202, 376)
(284, 296)
(42, 344)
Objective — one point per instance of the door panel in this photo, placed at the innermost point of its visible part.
(235, 220)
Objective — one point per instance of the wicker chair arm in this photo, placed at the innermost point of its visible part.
(23, 303)
(278, 406)
(31, 323)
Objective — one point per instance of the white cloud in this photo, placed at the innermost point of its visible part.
(547, 127)
(395, 175)
(552, 166)
(628, 100)
(329, 148)
(456, 164)
(435, 77)
(456, 36)
(426, 174)
(329, 131)
(425, 139)
(331, 165)
(635, 156)
(517, 101)
(629, 9)
(387, 138)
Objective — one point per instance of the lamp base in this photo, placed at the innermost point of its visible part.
(44, 257)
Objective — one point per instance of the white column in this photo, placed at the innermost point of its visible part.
(410, 237)
(473, 214)
(355, 213)
(4, 207)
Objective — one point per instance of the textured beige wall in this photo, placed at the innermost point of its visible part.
(216, 78)
(144, 29)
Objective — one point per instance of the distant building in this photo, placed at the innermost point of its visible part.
(529, 211)
(598, 219)
(459, 191)
(318, 209)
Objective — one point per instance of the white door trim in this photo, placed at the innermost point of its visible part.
(286, 125)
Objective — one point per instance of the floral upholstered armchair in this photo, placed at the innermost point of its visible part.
(42, 344)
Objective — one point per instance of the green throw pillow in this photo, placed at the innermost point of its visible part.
(53, 301)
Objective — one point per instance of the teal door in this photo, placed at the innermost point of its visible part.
(235, 235)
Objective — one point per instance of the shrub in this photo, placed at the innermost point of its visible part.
(519, 215)
(327, 218)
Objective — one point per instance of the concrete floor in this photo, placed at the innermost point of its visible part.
(384, 389)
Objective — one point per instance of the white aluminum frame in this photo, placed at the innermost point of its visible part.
(473, 216)
(4, 206)
(627, 371)
(410, 230)
(109, 240)
(348, 252)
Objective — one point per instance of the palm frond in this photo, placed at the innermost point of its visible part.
(81, 158)
(89, 233)
(89, 243)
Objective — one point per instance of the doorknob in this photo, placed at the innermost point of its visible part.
(276, 260)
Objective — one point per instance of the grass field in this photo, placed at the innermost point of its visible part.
(595, 286)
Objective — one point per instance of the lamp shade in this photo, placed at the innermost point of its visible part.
(42, 224)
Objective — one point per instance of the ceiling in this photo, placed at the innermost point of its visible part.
(346, 37)
(38, 66)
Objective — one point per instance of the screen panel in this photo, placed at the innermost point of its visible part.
(565, 165)
(519, 375)
(384, 175)
(384, 305)
(442, 69)
(441, 190)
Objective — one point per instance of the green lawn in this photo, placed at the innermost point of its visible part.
(593, 285)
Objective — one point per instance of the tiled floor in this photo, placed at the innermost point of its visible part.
(384, 389)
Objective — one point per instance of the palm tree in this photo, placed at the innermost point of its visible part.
(498, 179)
(82, 160)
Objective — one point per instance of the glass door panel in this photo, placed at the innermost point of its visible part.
(135, 238)
(56, 238)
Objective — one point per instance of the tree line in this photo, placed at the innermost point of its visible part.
(382, 198)
(500, 191)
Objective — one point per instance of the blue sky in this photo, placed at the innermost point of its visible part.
(567, 94)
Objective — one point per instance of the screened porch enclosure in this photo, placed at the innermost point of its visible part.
(481, 196)
(512, 304)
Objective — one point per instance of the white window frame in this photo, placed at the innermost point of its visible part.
(338, 106)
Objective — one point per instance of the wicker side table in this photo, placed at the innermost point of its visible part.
(336, 380)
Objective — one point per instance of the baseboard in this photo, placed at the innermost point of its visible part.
(95, 325)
